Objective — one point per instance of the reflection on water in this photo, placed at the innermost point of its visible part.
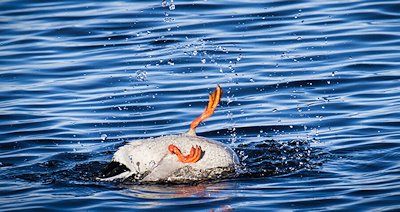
(199, 194)
(311, 101)
(174, 191)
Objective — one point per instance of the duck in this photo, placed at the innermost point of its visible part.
(177, 158)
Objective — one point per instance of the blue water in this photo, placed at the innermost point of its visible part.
(311, 101)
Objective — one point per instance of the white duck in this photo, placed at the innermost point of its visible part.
(174, 158)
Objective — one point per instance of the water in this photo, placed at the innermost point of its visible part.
(311, 101)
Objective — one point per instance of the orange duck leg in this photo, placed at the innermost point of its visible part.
(196, 152)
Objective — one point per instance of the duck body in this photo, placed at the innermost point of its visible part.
(175, 158)
(149, 160)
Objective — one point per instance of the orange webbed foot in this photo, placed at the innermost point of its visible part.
(192, 157)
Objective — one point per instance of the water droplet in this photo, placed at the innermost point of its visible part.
(152, 163)
(171, 62)
(103, 137)
(164, 3)
(239, 57)
(251, 80)
(274, 110)
(333, 73)
(172, 5)
(203, 60)
(299, 38)
(141, 75)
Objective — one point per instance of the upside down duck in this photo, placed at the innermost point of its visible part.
(174, 158)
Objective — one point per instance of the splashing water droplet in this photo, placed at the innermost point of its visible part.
(164, 3)
(152, 164)
(141, 75)
(103, 137)
(172, 5)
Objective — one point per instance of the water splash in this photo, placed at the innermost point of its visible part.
(270, 157)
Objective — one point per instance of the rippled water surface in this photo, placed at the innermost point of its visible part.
(311, 101)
